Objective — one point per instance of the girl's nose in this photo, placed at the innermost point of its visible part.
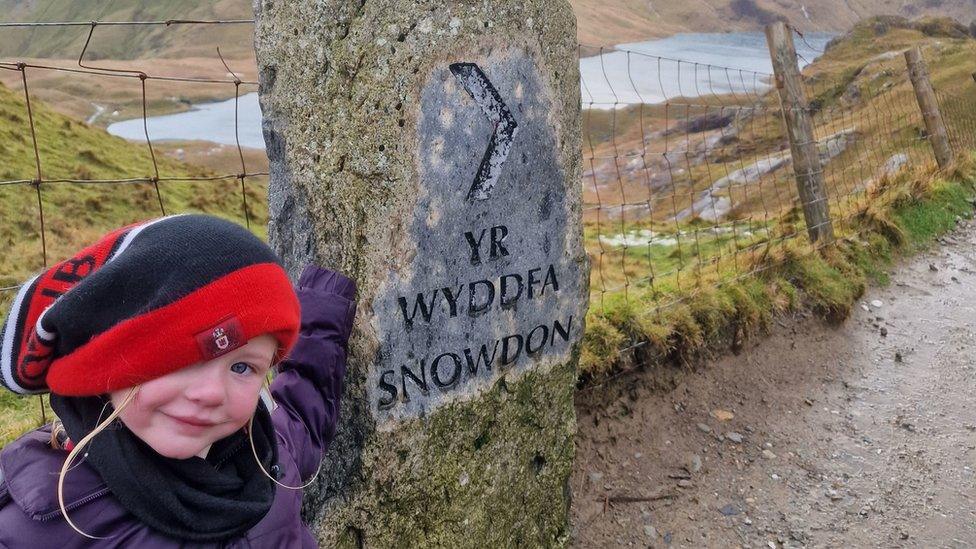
(206, 388)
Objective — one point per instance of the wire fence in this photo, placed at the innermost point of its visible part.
(958, 111)
(688, 178)
(689, 182)
(59, 188)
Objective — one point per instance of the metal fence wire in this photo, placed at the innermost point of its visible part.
(54, 191)
(959, 116)
(688, 180)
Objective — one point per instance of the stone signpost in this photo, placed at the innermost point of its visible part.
(432, 150)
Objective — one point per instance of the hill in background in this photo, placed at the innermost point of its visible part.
(606, 22)
(601, 22)
(117, 42)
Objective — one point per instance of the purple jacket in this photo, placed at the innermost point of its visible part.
(307, 390)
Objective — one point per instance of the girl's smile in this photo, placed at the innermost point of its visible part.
(193, 421)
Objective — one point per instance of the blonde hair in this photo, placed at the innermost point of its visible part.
(58, 429)
(79, 446)
(254, 450)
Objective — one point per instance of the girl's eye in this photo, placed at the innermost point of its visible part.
(240, 368)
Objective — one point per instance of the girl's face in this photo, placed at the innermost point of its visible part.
(181, 414)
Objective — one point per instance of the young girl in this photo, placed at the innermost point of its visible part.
(155, 344)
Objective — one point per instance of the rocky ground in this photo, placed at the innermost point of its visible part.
(858, 435)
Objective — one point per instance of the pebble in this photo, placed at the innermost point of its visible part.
(704, 428)
(723, 415)
(685, 483)
(729, 510)
(877, 304)
(884, 332)
(650, 532)
(734, 437)
(768, 455)
(694, 463)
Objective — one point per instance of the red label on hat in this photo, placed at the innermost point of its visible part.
(221, 339)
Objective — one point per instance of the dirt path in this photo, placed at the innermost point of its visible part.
(862, 435)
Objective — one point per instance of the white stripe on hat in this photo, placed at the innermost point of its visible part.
(41, 332)
(7, 345)
(131, 235)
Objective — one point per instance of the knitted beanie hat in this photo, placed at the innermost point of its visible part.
(142, 302)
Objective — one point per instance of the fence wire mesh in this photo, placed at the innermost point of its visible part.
(958, 109)
(40, 196)
(689, 181)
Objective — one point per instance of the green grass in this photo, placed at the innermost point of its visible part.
(124, 42)
(683, 316)
(78, 213)
(19, 415)
(924, 220)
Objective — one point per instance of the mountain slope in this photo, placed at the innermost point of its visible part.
(601, 22)
(606, 22)
(126, 42)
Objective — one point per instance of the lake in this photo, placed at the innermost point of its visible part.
(207, 122)
(642, 72)
(650, 73)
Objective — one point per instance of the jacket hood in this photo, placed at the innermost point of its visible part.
(29, 470)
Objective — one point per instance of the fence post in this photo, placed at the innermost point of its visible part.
(806, 157)
(934, 125)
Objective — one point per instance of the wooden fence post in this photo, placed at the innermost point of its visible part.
(806, 157)
(934, 125)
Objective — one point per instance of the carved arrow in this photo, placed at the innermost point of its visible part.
(486, 96)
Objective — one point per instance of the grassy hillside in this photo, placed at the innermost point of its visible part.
(77, 212)
(126, 42)
(608, 22)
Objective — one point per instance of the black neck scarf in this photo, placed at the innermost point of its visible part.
(192, 499)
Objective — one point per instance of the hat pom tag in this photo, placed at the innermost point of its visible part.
(37, 357)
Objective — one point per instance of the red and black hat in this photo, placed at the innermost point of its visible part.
(144, 301)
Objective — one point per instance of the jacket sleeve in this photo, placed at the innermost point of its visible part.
(309, 383)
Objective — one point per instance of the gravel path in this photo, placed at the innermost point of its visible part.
(860, 435)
